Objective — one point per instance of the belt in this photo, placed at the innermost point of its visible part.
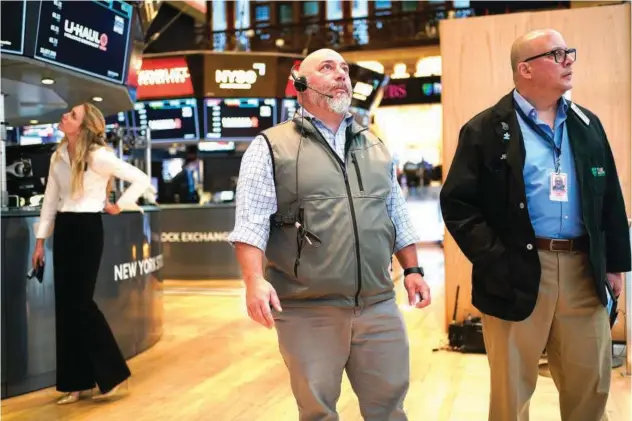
(563, 245)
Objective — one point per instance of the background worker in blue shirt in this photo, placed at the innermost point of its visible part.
(534, 202)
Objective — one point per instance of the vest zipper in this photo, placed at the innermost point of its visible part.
(353, 215)
(357, 169)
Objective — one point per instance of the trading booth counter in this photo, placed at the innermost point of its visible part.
(195, 242)
(128, 292)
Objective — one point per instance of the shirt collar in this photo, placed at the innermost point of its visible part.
(530, 111)
(345, 123)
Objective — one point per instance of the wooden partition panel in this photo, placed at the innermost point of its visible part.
(477, 73)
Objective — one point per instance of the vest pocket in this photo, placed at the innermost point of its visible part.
(300, 240)
(357, 170)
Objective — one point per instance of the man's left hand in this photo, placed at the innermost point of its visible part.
(616, 282)
(415, 284)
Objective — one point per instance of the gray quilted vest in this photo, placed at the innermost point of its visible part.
(331, 240)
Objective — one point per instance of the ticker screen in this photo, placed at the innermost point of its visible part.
(238, 118)
(90, 37)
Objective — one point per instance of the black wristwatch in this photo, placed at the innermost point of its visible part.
(414, 269)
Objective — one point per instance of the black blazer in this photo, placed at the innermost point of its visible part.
(484, 206)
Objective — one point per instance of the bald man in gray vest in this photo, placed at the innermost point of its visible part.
(319, 196)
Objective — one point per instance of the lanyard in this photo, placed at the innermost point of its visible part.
(557, 151)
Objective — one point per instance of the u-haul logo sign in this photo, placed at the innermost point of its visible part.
(85, 35)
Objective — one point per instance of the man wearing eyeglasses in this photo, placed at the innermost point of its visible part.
(533, 200)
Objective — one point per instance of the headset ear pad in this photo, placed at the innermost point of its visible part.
(300, 82)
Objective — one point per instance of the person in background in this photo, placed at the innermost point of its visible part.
(75, 196)
(318, 195)
(184, 184)
(534, 202)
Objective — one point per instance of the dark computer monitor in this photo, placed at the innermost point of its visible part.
(221, 172)
(27, 169)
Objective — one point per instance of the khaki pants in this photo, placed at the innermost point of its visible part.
(319, 343)
(570, 322)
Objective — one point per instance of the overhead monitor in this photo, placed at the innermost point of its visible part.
(13, 135)
(12, 24)
(288, 108)
(115, 121)
(90, 37)
(171, 120)
(39, 134)
(365, 84)
(238, 118)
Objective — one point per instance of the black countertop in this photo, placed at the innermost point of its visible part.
(35, 211)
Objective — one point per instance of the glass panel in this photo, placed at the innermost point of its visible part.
(382, 4)
(219, 15)
(285, 13)
(461, 3)
(242, 14)
(310, 8)
(262, 13)
(409, 6)
(334, 9)
(360, 8)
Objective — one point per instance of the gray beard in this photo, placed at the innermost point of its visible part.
(338, 105)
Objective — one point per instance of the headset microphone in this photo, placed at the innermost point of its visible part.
(300, 84)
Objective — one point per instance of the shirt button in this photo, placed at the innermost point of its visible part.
(565, 216)
(521, 205)
(529, 246)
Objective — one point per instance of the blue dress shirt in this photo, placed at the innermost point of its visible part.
(550, 219)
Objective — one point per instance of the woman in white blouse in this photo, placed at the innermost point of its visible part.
(76, 193)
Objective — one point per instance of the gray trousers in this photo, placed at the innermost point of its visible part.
(318, 343)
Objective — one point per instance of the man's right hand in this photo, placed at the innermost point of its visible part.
(260, 294)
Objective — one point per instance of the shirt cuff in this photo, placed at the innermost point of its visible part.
(248, 235)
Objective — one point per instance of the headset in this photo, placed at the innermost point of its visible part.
(300, 84)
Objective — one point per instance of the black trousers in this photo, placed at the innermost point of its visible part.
(87, 352)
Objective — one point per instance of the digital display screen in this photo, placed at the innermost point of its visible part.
(12, 135)
(414, 90)
(366, 84)
(238, 118)
(170, 120)
(12, 22)
(90, 37)
(40, 133)
(171, 168)
(288, 108)
(115, 121)
(240, 75)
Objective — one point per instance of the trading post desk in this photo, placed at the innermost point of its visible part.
(128, 292)
(195, 242)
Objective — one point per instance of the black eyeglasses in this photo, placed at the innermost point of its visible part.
(559, 55)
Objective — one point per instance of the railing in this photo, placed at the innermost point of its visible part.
(386, 31)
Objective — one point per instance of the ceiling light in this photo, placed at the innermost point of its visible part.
(48, 81)
(34, 121)
(97, 99)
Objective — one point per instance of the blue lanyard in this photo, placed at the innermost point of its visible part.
(557, 150)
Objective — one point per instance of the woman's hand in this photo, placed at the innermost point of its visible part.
(112, 208)
(37, 259)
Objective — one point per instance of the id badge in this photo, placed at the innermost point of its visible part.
(559, 187)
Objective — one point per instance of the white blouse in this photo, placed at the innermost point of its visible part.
(102, 166)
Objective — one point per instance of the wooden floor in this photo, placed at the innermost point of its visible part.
(214, 364)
